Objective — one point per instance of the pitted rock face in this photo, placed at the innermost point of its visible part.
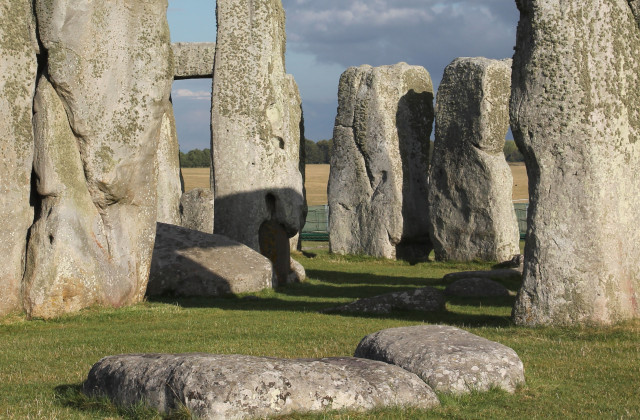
(18, 69)
(472, 216)
(426, 299)
(575, 116)
(193, 60)
(379, 163)
(448, 359)
(255, 130)
(98, 116)
(192, 263)
(196, 209)
(237, 387)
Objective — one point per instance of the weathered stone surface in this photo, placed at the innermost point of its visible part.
(192, 263)
(97, 126)
(575, 116)
(237, 387)
(296, 115)
(471, 212)
(169, 176)
(497, 274)
(448, 359)
(18, 68)
(380, 160)
(297, 274)
(256, 172)
(426, 299)
(193, 60)
(476, 287)
(196, 209)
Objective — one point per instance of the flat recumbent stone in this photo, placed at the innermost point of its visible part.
(236, 386)
(447, 358)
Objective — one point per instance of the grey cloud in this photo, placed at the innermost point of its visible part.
(420, 32)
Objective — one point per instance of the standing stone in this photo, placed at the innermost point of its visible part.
(575, 116)
(169, 177)
(18, 68)
(196, 210)
(193, 60)
(98, 114)
(256, 178)
(296, 126)
(472, 216)
(379, 163)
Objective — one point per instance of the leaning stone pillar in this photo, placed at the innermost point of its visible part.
(18, 68)
(379, 164)
(575, 115)
(98, 114)
(471, 210)
(256, 179)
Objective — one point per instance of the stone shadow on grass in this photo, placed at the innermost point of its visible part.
(268, 304)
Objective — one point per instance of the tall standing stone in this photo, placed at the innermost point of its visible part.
(471, 211)
(256, 179)
(18, 68)
(576, 118)
(169, 177)
(296, 126)
(98, 115)
(378, 180)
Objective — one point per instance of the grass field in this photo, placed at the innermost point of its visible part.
(317, 178)
(571, 373)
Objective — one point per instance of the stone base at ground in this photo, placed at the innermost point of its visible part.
(426, 299)
(236, 387)
(476, 287)
(191, 263)
(447, 358)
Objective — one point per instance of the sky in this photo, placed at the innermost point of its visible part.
(325, 37)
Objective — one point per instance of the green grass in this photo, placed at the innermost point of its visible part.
(581, 373)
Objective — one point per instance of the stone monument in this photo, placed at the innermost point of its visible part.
(575, 117)
(471, 212)
(379, 164)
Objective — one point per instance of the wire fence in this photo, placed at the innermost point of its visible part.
(316, 227)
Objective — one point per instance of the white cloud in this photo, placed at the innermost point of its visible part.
(200, 95)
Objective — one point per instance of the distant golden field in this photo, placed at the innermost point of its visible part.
(318, 177)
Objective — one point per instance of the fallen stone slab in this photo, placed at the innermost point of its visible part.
(193, 60)
(426, 299)
(447, 358)
(476, 287)
(188, 262)
(499, 274)
(237, 386)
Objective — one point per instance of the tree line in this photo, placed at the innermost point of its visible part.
(196, 158)
(319, 152)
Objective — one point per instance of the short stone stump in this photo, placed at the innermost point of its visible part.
(427, 299)
(236, 387)
(449, 359)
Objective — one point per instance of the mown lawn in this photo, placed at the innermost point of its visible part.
(571, 372)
